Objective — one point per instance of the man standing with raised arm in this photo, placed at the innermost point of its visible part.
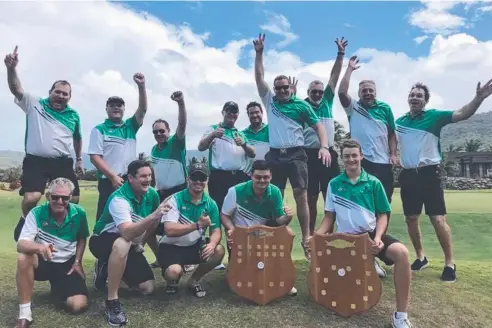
(52, 134)
(287, 116)
(418, 133)
(322, 102)
(372, 124)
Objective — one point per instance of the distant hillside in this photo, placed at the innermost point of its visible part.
(478, 127)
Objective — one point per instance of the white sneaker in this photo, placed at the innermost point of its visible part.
(379, 269)
(293, 292)
(400, 323)
(220, 267)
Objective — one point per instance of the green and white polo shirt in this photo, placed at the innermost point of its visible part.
(42, 228)
(260, 141)
(286, 121)
(49, 133)
(370, 127)
(356, 204)
(184, 211)
(122, 206)
(419, 137)
(169, 163)
(224, 154)
(246, 210)
(116, 143)
(324, 112)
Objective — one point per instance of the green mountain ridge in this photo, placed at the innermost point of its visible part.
(478, 127)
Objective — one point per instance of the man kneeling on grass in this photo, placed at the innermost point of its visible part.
(130, 216)
(356, 200)
(51, 246)
(191, 212)
(255, 202)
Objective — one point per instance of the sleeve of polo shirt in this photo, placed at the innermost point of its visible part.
(134, 123)
(267, 98)
(30, 228)
(120, 211)
(178, 144)
(84, 225)
(350, 108)
(309, 115)
(173, 214)
(209, 130)
(213, 212)
(229, 204)
(77, 133)
(329, 206)
(380, 199)
(328, 94)
(278, 210)
(391, 120)
(27, 102)
(444, 117)
(96, 142)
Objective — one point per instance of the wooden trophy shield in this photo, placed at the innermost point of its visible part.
(342, 276)
(261, 267)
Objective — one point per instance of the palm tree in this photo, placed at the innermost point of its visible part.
(472, 145)
(454, 148)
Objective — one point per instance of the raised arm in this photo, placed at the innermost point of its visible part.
(469, 109)
(178, 97)
(139, 79)
(337, 67)
(259, 69)
(11, 61)
(345, 99)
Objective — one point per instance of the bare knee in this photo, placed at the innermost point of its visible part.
(218, 253)
(30, 200)
(438, 220)
(26, 261)
(411, 219)
(77, 304)
(173, 272)
(121, 247)
(300, 193)
(398, 253)
(147, 287)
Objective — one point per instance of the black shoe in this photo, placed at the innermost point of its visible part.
(419, 265)
(448, 274)
(115, 314)
(100, 275)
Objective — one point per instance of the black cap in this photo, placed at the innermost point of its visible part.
(115, 99)
(231, 106)
(198, 168)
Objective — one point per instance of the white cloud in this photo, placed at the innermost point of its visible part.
(420, 39)
(435, 18)
(98, 47)
(280, 25)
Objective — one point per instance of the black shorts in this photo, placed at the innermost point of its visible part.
(290, 163)
(105, 189)
(164, 193)
(387, 241)
(63, 286)
(384, 172)
(137, 268)
(318, 174)
(220, 181)
(422, 186)
(182, 255)
(38, 171)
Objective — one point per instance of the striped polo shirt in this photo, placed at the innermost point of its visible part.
(224, 154)
(325, 114)
(246, 210)
(42, 228)
(169, 163)
(419, 137)
(260, 141)
(370, 127)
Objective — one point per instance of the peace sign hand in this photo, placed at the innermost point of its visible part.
(353, 63)
(259, 43)
(341, 44)
(485, 91)
(11, 60)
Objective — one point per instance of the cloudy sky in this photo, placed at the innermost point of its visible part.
(205, 50)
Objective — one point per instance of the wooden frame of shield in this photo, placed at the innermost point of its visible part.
(261, 268)
(342, 276)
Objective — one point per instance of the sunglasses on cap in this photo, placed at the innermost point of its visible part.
(57, 197)
(161, 131)
(282, 87)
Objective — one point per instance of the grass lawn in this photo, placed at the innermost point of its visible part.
(466, 303)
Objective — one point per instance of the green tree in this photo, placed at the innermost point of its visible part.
(472, 145)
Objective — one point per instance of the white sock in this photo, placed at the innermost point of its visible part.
(25, 311)
(401, 315)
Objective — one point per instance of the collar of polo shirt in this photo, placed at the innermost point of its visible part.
(187, 197)
(111, 124)
(362, 178)
(251, 193)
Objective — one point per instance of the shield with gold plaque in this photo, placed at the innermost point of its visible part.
(261, 268)
(341, 275)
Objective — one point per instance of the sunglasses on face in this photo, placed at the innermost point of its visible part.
(57, 197)
(320, 92)
(282, 87)
(198, 178)
(160, 131)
